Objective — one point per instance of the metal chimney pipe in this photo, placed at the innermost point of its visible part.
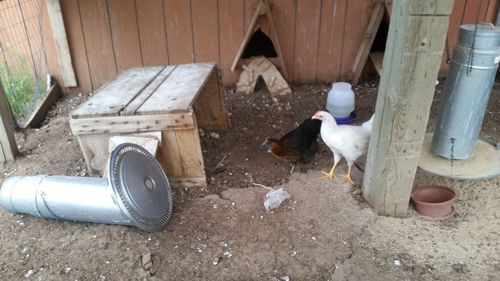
(473, 67)
(136, 192)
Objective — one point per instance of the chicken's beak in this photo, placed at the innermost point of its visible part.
(265, 146)
(315, 117)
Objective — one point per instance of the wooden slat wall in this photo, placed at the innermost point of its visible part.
(319, 38)
(98, 42)
(466, 11)
(152, 32)
(125, 33)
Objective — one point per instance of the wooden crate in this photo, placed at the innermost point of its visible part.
(173, 99)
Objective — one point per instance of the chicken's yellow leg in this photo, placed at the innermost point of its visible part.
(331, 174)
(347, 177)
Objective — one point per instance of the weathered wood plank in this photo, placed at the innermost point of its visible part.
(117, 94)
(179, 90)
(7, 141)
(492, 11)
(98, 44)
(471, 9)
(190, 152)
(330, 40)
(188, 182)
(95, 151)
(231, 30)
(149, 143)
(306, 40)
(125, 33)
(455, 21)
(430, 7)
(152, 32)
(248, 33)
(284, 18)
(169, 155)
(148, 91)
(205, 30)
(179, 31)
(209, 105)
(366, 44)
(274, 35)
(354, 30)
(132, 124)
(41, 107)
(59, 33)
(71, 15)
(415, 43)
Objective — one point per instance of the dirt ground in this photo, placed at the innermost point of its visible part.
(324, 232)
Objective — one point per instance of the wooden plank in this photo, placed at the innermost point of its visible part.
(491, 11)
(231, 28)
(250, 7)
(59, 33)
(125, 33)
(7, 140)
(455, 22)
(152, 32)
(48, 46)
(415, 43)
(306, 40)
(190, 151)
(149, 143)
(169, 155)
(132, 124)
(284, 18)
(98, 43)
(330, 40)
(209, 105)
(431, 7)
(354, 30)
(205, 30)
(179, 90)
(41, 107)
(148, 91)
(78, 52)
(188, 182)
(275, 39)
(388, 6)
(179, 31)
(95, 151)
(246, 37)
(471, 11)
(117, 94)
(366, 44)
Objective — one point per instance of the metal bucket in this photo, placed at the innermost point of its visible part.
(467, 90)
(136, 192)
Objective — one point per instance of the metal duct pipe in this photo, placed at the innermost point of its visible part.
(471, 75)
(136, 192)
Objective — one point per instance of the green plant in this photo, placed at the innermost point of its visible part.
(21, 87)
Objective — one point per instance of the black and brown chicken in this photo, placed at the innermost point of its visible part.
(298, 145)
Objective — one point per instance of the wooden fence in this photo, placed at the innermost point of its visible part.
(319, 38)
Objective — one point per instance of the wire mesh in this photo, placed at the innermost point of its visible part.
(23, 57)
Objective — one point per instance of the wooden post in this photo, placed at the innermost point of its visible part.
(59, 33)
(415, 43)
(8, 146)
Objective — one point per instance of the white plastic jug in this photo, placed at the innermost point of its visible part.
(340, 101)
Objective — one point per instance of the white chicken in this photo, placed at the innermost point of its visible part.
(346, 141)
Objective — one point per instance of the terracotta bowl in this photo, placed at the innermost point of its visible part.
(433, 201)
